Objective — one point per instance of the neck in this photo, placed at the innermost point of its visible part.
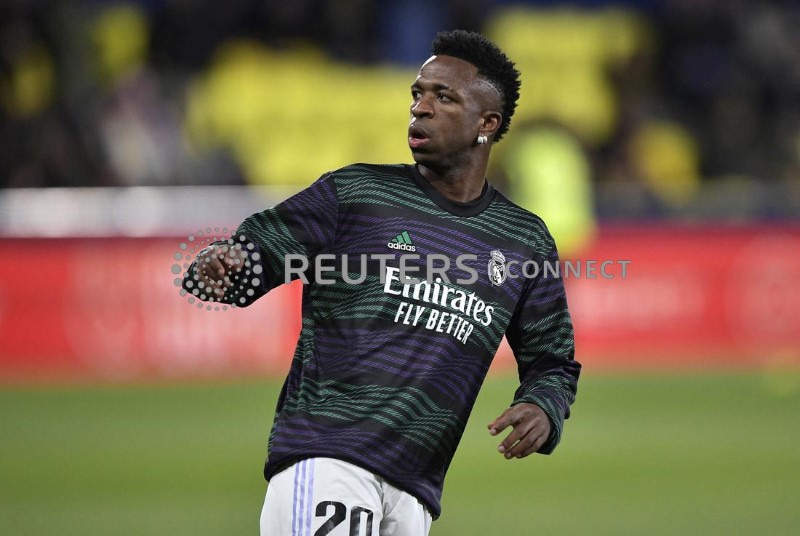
(460, 184)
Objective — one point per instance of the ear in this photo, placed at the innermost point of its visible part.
(490, 122)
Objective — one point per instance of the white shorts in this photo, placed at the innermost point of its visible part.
(324, 496)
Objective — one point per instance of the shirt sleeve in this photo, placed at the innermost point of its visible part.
(541, 336)
(302, 226)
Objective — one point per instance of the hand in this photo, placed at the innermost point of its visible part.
(216, 267)
(531, 428)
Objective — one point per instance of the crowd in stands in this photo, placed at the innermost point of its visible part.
(658, 97)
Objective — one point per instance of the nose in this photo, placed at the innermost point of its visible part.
(422, 108)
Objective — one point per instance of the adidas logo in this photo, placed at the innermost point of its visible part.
(403, 242)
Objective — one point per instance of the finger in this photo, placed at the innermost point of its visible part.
(203, 264)
(217, 280)
(539, 430)
(230, 263)
(228, 256)
(501, 423)
(520, 432)
(525, 443)
(236, 257)
(217, 269)
(511, 439)
(537, 444)
(539, 435)
(211, 287)
(218, 288)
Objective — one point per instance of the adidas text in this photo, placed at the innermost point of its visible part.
(404, 247)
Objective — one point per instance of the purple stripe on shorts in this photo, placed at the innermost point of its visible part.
(310, 496)
(294, 501)
(300, 509)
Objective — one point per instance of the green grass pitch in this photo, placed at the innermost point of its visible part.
(643, 455)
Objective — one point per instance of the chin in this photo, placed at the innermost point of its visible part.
(423, 157)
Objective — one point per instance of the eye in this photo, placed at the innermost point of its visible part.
(444, 98)
(415, 94)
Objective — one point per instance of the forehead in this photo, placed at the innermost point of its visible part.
(447, 70)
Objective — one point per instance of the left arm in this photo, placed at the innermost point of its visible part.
(541, 336)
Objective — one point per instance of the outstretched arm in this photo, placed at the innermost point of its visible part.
(253, 261)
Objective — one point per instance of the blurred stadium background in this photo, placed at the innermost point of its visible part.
(663, 133)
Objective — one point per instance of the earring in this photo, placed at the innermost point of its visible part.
(482, 139)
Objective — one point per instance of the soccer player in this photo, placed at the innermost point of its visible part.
(393, 347)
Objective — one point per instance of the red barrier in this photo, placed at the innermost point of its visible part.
(108, 308)
(694, 296)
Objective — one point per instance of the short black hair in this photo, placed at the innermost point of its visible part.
(492, 64)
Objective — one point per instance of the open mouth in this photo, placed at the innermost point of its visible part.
(417, 137)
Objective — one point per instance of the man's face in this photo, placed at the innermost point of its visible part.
(445, 112)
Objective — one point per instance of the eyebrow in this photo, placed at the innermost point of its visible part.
(432, 85)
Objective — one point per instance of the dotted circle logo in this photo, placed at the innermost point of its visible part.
(210, 242)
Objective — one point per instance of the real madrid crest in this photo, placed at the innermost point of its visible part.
(497, 268)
